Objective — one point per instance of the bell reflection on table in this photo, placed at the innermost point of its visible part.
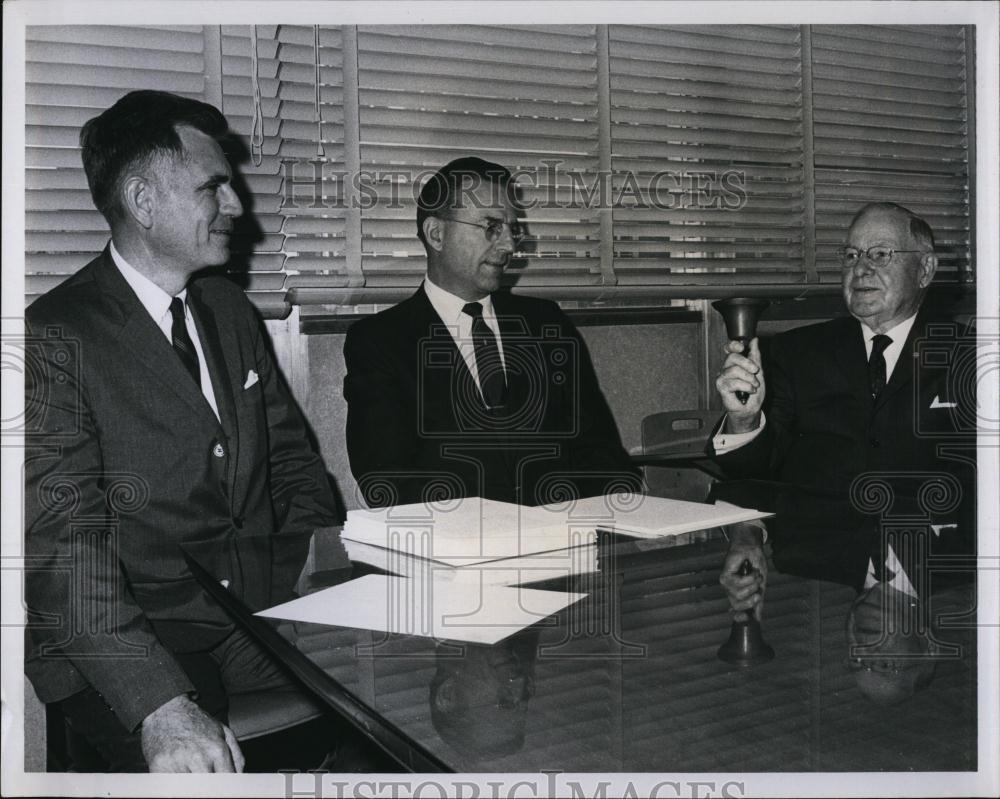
(479, 695)
(894, 643)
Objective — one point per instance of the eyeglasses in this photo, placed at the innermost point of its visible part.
(878, 256)
(494, 228)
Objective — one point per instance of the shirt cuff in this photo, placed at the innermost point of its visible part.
(758, 523)
(727, 442)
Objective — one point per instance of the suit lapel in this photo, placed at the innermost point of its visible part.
(222, 351)
(211, 343)
(849, 349)
(439, 385)
(520, 352)
(142, 336)
(902, 373)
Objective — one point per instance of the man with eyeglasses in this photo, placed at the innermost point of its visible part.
(850, 430)
(467, 390)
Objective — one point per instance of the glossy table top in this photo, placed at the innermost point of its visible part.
(627, 679)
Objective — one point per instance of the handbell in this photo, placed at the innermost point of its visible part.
(741, 315)
(746, 645)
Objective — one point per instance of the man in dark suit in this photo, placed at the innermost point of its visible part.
(464, 390)
(159, 419)
(854, 431)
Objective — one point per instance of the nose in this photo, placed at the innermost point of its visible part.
(864, 265)
(229, 201)
(506, 242)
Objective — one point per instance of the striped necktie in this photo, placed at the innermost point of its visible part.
(181, 341)
(876, 364)
(492, 380)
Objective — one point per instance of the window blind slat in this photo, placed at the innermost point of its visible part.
(126, 79)
(176, 39)
(53, 53)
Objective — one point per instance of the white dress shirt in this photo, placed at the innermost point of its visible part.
(157, 304)
(898, 335)
(449, 308)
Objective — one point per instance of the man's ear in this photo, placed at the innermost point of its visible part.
(138, 200)
(434, 232)
(928, 266)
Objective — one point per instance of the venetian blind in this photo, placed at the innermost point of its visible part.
(251, 63)
(315, 192)
(709, 157)
(716, 113)
(891, 123)
(525, 97)
(72, 73)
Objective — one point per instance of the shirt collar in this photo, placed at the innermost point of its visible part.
(897, 333)
(154, 299)
(449, 306)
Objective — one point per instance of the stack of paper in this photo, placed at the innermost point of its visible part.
(456, 568)
(467, 531)
(473, 530)
(533, 568)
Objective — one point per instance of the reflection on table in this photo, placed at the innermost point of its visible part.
(627, 680)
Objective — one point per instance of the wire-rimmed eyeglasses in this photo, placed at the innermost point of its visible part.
(493, 228)
(877, 256)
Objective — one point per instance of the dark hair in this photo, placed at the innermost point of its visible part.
(136, 129)
(919, 229)
(446, 188)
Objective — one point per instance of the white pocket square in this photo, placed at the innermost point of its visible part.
(936, 403)
(251, 379)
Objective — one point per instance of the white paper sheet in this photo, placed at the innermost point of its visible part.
(460, 606)
(645, 516)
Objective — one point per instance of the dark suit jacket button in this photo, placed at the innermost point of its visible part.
(875, 443)
(238, 522)
(218, 451)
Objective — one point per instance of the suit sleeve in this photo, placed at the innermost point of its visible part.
(761, 457)
(301, 493)
(597, 447)
(382, 436)
(81, 613)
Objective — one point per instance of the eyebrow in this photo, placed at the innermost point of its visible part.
(215, 180)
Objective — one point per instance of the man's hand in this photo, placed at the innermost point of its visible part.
(179, 736)
(745, 593)
(741, 373)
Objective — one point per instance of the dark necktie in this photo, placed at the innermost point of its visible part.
(183, 345)
(492, 381)
(876, 364)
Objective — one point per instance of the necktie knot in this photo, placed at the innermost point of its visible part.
(879, 344)
(177, 309)
(473, 309)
